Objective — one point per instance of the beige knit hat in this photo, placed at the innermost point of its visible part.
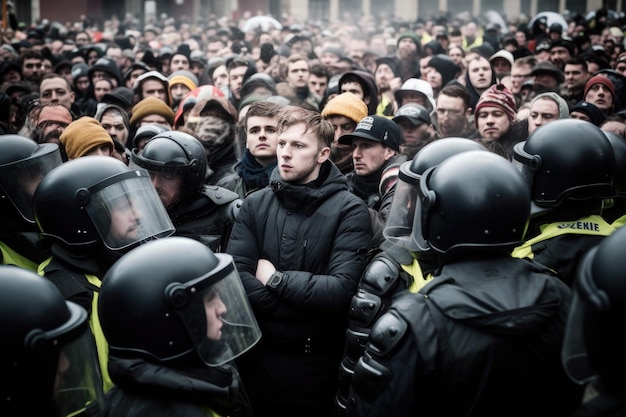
(82, 135)
(347, 105)
(151, 105)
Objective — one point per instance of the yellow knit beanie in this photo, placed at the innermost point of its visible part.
(347, 105)
(82, 135)
(151, 105)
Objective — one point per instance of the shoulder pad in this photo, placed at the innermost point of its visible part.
(381, 276)
(218, 195)
(386, 334)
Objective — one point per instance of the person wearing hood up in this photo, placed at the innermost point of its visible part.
(441, 70)
(363, 85)
(479, 77)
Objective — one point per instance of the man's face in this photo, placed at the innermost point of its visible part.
(300, 155)
(31, 69)
(601, 96)
(56, 90)
(576, 77)
(115, 54)
(298, 74)
(220, 77)
(519, 74)
(413, 97)
(328, 59)
(168, 186)
(213, 49)
(580, 116)
(235, 82)
(501, 66)
(354, 88)
(559, 55)
(214, 309)
(451, 115)
(133, 76)
(154, 88)
(262, 138)
(434, 78)
(492, 123)
(318, 84)
(414, 134)
(179, 62)
(542, 111)
(369, 156)
(406, 47)
(179, 91)
(51, 131)
(480, 73)
(342, 126)
(100, 88)
(456, 53)
(113, 123)
(125, 219)
(520, 37)
(383, 77)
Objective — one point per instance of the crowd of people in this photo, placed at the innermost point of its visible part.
(383, 219)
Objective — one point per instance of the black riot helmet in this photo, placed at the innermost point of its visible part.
(566, 160)
(402, 213)
(596, 335)
(192, 305)
(23, 163)
(47, 355)
(145, 133)
(473, 202)
(176, 153)
(619, 150)
(98, 199)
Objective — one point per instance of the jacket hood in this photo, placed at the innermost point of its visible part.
(472, 293)
(370, 90)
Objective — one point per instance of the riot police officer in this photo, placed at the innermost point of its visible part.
(48, 363)
(595, 337)
(173, 337)
(177, 164)
(394, 269)
(569, 166)
(91, 211)
(23, 163)
(483, 337)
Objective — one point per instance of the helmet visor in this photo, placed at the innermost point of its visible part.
(218, 316)
(402, 214)
(126, 210)
(78, 382)
(424, 201)
(20, 179)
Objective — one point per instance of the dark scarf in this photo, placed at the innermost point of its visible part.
(366, 186)
(254, 175)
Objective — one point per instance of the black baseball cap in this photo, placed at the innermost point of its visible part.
(378, 129)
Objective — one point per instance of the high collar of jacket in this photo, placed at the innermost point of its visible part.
(203, 385)
(307, 198)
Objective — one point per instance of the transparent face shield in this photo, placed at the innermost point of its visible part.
(217, 314)
(527, 165)
(77, 382)
(126, 210)
(402, 212)
(20, 179)
(424, 201)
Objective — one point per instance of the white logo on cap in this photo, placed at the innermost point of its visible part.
(365, 124)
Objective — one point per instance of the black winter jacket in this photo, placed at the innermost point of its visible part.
(143, 389)
(319, 236)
